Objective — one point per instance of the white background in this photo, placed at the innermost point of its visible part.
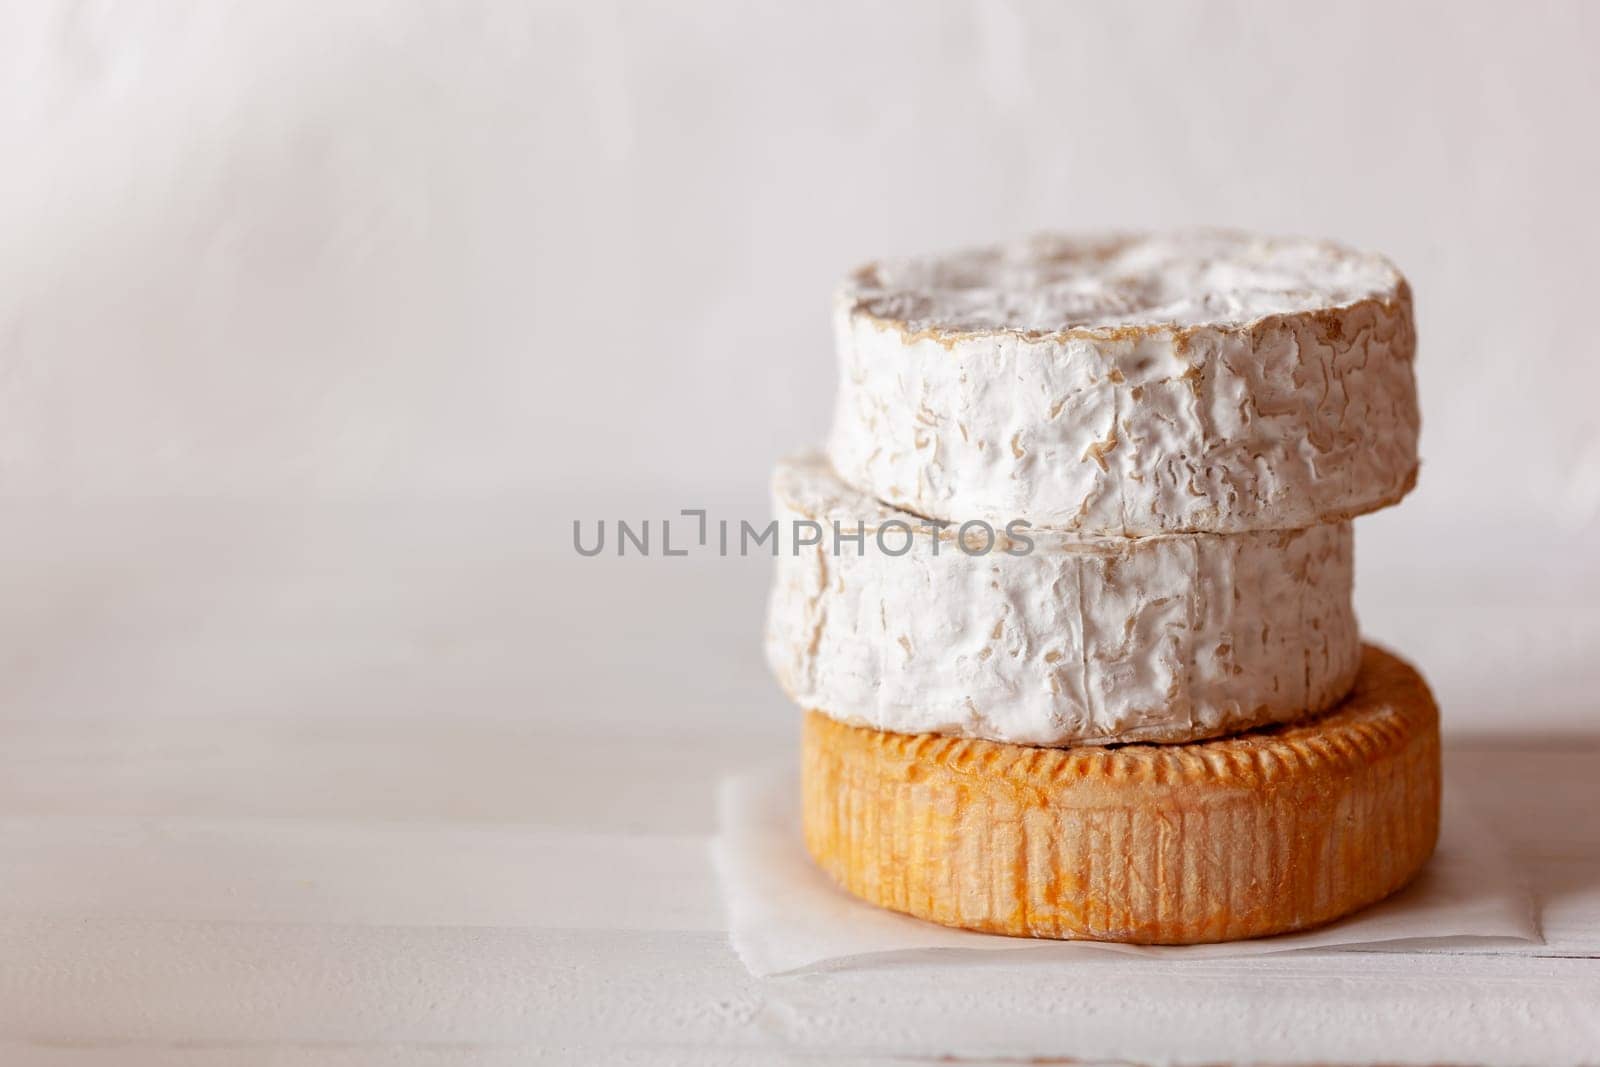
(414, 247)
(574, 261)
(321, 322)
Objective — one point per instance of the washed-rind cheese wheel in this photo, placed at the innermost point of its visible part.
(899, 626)
(1130, 386)
(1264, 833)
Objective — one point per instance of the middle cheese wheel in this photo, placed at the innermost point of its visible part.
(1041, 637)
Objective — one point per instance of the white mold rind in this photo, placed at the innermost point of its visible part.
(1130, 386)
(1080, 641)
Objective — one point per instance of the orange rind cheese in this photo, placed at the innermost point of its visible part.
(1276, 830)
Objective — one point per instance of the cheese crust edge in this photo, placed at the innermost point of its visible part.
(1263, 833)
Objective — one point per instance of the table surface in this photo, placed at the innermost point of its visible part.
(404, 783)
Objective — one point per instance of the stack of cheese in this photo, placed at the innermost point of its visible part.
(1068, 601)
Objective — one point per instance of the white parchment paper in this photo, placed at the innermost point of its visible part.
(786, 915)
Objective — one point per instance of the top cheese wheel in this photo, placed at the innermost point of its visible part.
(1130, 385)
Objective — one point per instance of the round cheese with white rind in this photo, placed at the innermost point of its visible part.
(1046, 637)
(1129, 386)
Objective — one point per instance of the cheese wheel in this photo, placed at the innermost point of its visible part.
(1048, 638)
(1259, 834)
(1130, 386)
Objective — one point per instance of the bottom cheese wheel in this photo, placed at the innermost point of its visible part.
(1265, 832)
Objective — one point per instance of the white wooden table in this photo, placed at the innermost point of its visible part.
(409, 783)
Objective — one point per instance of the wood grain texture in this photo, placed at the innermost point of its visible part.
(1259, 834)
(196, 670)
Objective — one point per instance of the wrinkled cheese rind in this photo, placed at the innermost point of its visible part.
(1221, 840)
(1078, 641)
(1130, 386)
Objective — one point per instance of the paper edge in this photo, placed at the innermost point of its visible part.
(763, 782)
